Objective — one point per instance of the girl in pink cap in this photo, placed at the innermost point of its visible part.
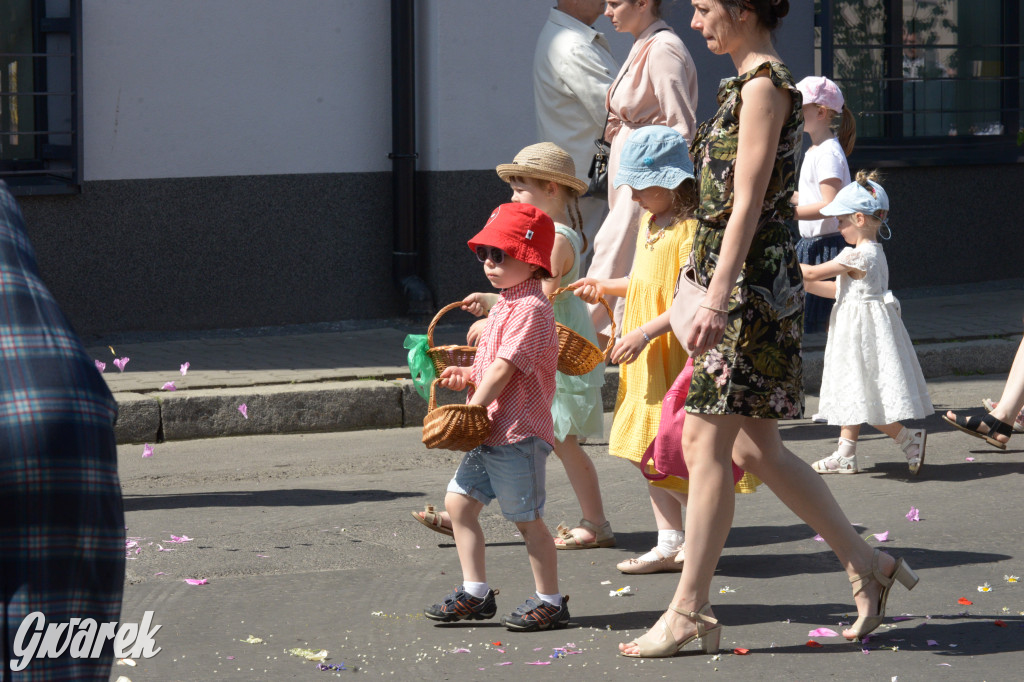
(825, 171)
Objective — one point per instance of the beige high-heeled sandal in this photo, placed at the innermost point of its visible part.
(903, 573)
(658, 642)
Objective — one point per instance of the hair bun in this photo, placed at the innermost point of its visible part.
(780, 8)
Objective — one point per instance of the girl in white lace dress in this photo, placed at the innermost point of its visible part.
(871, 373)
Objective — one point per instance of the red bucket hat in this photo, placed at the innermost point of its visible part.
(522, 231)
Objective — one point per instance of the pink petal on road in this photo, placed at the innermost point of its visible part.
(968, 459)
(818, 538)
(101, 366)
(914, 514)
(169, 386)
(161, 549)
(882, 537)
(932, 642)
(823, 632)
(147, 451)
(184, 369)
(180, 538)
(197, 581)
(121, 362)
(244, 409)
(538, 663)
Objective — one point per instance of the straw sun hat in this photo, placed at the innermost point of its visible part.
(544, 161)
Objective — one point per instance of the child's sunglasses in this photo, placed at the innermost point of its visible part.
(485, 252)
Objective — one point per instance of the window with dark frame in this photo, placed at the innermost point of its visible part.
(40, 115)
(929, 81)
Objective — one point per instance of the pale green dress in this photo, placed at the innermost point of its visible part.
(577, 408)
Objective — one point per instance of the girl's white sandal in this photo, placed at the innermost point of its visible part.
(836, 464)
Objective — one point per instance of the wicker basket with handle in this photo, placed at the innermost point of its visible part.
(454, 427)
(576, 355)
(448, 356)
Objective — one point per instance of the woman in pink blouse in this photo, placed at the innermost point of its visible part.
(656, 85)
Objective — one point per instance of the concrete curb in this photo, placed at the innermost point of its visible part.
(371, 404)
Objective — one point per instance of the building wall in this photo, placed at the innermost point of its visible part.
(236, 170)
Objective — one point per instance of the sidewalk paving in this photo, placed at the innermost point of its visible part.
(354, 376)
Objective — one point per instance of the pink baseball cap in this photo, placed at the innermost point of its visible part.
(820, 90)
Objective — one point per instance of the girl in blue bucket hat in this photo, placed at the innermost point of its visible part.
(656, 166)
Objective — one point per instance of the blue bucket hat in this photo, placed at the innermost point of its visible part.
(856, 198)
(654, 156)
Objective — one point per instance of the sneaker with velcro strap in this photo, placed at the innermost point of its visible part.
(461, 605)
(536, 614)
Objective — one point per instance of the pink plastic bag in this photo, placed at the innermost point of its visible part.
(665, 453)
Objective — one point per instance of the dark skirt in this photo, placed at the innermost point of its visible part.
(815, 251)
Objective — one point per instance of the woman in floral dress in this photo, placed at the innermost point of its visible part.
(747, 334)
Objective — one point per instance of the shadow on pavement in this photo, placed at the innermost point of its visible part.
(297, 497)
(961, 471)
(779, 565)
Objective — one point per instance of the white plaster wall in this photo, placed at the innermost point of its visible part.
(185, 88)
(475, 79)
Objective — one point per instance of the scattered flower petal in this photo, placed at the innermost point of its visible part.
(621, 592)
(823, 632)
(932, 642)
(502, 663)
(1000, 623)
(180, 538)
(147, 450)
(252, 639)
(914, 514)
(169, 386)
(101, 366)
(197, 581)
(948, 665)
(244, 409)
(984, 588)
(964, 601)
(1011, 578)
(161, 548)
(538, 663)
(184, 369)
(968, 459)
(882, 537)
(726, 589)
(309, 654)
(739, 651)
(818, 538)
(126, 661)
(814, 645)
(606, 582)
(121, 362)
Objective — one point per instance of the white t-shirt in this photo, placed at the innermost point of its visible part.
(822, 162)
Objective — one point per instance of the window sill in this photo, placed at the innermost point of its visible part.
(937, 151)
(37, 186)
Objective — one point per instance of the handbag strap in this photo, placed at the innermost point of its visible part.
(618, 80)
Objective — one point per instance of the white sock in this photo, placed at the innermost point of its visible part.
(669, 542)
(847, 448)
(553, 599)
(478, 590)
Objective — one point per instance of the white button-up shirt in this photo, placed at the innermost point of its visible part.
(572, 69)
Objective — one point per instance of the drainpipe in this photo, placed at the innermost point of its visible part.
(405, 258)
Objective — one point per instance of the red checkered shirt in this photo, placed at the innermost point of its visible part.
(521, 329)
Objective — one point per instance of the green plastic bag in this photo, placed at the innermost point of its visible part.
(423, 372)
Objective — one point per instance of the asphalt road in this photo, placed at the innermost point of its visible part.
(306, 542)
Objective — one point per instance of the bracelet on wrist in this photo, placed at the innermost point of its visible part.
(714, 310)
(648, 339)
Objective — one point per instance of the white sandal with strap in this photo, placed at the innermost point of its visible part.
(658, 642)
(836, 464)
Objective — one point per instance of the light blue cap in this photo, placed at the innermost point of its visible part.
(856, 198)
(654, 156)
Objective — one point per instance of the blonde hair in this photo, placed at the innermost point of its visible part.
(862, 178)
(572, 208)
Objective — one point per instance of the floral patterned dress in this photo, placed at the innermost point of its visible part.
(756, 369)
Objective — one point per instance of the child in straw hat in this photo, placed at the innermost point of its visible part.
(544, 175)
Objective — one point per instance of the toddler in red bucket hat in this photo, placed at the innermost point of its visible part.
(514, 375)
(519, 230)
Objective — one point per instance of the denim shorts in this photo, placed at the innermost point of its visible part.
(513, 474)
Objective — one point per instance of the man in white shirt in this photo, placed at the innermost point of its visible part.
(572, 70)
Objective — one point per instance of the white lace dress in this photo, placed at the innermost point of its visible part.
(871, 373)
